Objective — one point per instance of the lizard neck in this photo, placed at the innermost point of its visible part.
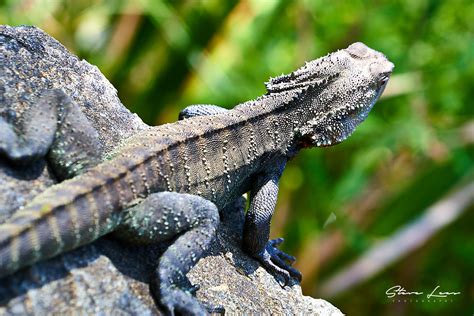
(281, 116)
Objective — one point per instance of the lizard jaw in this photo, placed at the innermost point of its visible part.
(335, 126)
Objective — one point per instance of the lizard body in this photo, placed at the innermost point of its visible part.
(170, 180)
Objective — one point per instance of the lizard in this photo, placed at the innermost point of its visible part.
(169, 182)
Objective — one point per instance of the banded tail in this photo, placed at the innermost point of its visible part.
(65, 216)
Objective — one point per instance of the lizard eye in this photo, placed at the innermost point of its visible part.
(383, 81)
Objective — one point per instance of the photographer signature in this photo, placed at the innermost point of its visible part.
(398, 290)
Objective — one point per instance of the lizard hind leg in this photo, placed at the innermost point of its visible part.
(76, 146)
(33, 140)
(53, 126)
(167, 215)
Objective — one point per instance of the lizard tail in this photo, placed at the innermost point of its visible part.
(63, 217)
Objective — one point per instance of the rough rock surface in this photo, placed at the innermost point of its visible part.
(109, 277)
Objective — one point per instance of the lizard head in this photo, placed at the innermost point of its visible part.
(337, 93)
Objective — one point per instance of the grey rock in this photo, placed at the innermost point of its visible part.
(107, 276)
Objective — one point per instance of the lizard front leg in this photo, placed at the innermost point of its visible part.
(164, 216)
(263, 197)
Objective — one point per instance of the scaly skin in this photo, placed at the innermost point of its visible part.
(209, 159)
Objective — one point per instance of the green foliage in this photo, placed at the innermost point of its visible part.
(415, 147)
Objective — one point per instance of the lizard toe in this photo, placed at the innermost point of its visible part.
(278, 258)
(286, 267)
(276, 242)
(284, 256)
(273, 244)
(273, 268)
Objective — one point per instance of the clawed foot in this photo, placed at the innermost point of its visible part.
(275, 261)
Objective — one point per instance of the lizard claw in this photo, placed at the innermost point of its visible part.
(274, 260)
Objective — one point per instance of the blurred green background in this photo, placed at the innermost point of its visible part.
(392, 205)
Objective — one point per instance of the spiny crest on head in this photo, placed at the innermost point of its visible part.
(310, 75)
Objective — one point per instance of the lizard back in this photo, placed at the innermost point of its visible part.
(214, 156)
(194, 156)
